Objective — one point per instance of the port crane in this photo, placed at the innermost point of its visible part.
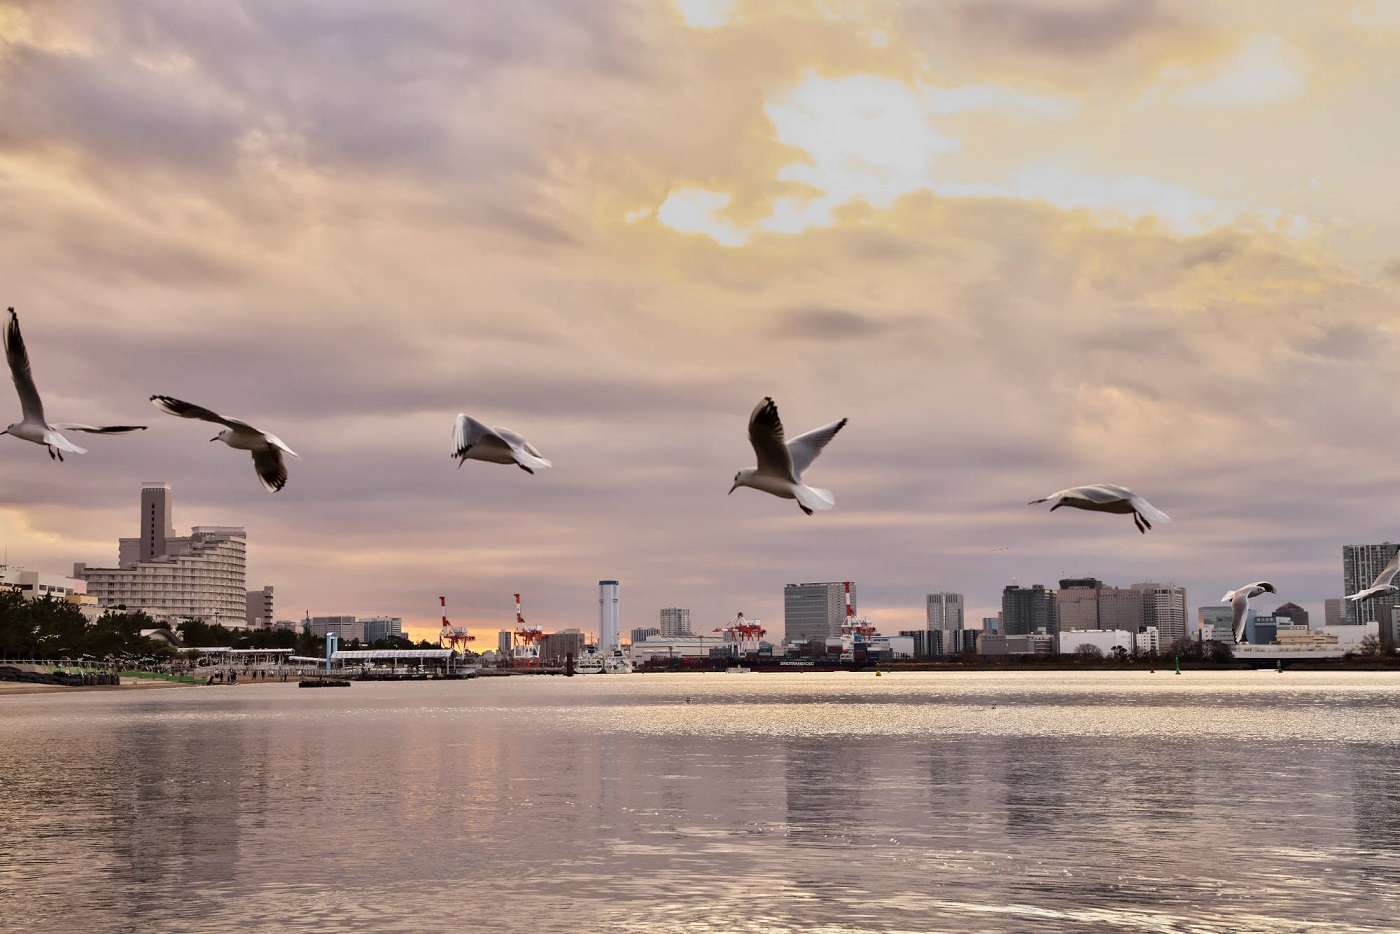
(453, 637)
(855, 630)
(743, 634)
(526, 641)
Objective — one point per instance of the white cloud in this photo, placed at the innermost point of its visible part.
(695, 210)
(998, 98)
(706, 14)
(1379, 15)
(1267, 69)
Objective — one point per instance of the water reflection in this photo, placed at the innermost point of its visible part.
(775, 804)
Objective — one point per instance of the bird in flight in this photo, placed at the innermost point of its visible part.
(1382, 585)
(1106, 497)
(472, 440)
(1239, 601)
(781, 464)
(33, 426)
(266, 448)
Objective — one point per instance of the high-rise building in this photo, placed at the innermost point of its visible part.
(1164, 606)
(815, 611)
(945, 622)
(675, 621)
(505, 639)
(346, 627)
(609, 621)
(1214, 622)
(173, 578)
(380, 627)
(641, 635)
(1334, 611)
(258, 610)
(1294, 612)
(1026, 609)
(1361, 565)
(556, 647)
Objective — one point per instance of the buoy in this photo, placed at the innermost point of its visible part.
(1178, 666)
(877, 672)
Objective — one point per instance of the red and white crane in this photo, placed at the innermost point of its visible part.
(526, 641)
(855, 630)
(453, 637)
(744, 634)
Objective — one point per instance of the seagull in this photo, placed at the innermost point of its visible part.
(33, 427)
(780, 465)
(267, 449)
(1382, 585)
(1239, 600)
(472, 440)
(1106, 497)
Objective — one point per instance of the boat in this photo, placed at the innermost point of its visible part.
(737, 670)
(617, 663)
(590, 663)
(322, 683)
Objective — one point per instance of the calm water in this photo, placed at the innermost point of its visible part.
(1242, 801)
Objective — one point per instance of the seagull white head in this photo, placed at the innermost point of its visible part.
(743, 478)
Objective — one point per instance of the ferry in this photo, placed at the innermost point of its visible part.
(590, 663)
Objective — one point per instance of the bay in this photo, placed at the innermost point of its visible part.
(931, 801)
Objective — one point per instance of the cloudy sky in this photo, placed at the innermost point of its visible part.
(1021, 246)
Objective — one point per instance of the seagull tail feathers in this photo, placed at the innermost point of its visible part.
(814, 498)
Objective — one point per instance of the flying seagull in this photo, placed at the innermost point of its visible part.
(1239, 601)
(33, 427)
(472, 440)
(267, 449)
(1382, 585)
(780, 465)
(1106, 497)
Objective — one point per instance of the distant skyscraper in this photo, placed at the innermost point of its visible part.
(504, 639)
(1164, 606)
(815, 611)
(945, 621)
(675, 621)
(1026, 609)
(609, 620)
(1334, 611)
(345, 627)
(1360, 566)
(1214, 622)
(258, 610)
(641, 635)
(1294, 612)
(380, 627)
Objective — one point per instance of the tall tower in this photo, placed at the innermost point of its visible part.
(157, 523)
(609, 624)
(1360, 566)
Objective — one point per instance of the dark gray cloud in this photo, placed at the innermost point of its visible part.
(1061, 28)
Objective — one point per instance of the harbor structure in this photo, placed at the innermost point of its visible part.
(171, 577)
(816, 611)
(1361, 565)
(609, 620)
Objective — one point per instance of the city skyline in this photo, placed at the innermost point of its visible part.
(1020, 247)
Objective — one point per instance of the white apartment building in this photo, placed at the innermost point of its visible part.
(173, 578)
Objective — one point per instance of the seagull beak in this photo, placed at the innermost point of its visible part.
(215, 438)
(733, 488)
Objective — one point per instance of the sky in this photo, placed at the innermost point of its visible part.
(1021, 246)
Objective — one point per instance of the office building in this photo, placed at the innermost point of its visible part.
(346, 627)
(1361, 565)
(556, 647)
(1294, 612)
(1215, 623)
(1334, 611)
(258, 609)
(1164, 607)
(381, 627)
(1024, 610)
(675, 621)
(815, 611)
(609, 619)
(641, 635)
(945, 622)
(173, 578)
(504, 642)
